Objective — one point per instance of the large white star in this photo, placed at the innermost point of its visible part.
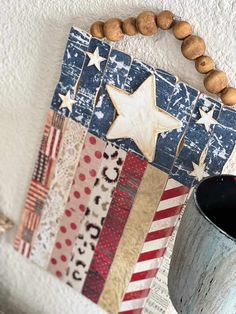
(95, 59)
(139, 117)
(199, 171)
(207, 119)
(67, 102)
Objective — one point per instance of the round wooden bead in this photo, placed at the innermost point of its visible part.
(165, 19)
(228, 96)
(204, 64)
(129, 26)
(96, 29)
(182, 29)
(146, 23)
(193, 47)
(113, 29)
(215, 81)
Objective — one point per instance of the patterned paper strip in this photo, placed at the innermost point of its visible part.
(165, 218)
(40, 182)
(138, 224)
(114, 224)
(79, 196)
(92, 224)
(54, 206)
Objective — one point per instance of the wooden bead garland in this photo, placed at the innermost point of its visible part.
(193, 47)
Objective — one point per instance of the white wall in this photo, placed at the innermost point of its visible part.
(33, 37)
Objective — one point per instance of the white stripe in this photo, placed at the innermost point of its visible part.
(154, 245)
(139, 285)
(49, 141)
(171, 202)
(21, 246)
(55, 143)
(164, 223)
(171, 184)
(146, 265)
(132, 304)
(27, 246)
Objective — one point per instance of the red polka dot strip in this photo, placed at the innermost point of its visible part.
(121, 204)
(77, 202)
(91, 226)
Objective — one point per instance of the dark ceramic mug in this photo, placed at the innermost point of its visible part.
(202, 277)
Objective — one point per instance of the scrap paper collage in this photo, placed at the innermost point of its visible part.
(98, 215)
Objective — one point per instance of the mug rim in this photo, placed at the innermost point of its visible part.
(203, 214)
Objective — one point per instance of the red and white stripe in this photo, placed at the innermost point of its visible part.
(53, 142)
(149, 261)
(24, 248)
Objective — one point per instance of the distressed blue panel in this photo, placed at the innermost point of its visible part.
(196, 139)
(222, 142)
(83, 109)
(91, 77)
(180, 106)
(72, 65)
(116, 72)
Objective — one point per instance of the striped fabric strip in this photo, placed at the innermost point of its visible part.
(78, 199)
(69, 154)
(123, 198)
(92, 224)
(39, 186)
(154, 247)
(140, 218)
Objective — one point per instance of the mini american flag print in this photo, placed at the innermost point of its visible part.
(111, 180)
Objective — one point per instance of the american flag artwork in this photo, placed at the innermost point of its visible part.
(99, 215)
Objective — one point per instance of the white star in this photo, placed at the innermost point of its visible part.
(199, 171)
(139, 118)
(67, 102)
(207, 119)
(95, 59)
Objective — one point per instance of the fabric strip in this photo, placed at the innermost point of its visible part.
(80, 193)
(154, 247)
(140, 218)
(41, 180)
(92, 224)
(72, 143)
(123, 198)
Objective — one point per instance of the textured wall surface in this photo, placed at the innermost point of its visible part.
(33, 37)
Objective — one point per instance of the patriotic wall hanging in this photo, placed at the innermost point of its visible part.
(122, 147)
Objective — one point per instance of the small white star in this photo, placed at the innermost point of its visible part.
(95, 59)
(67, 102)
(199, 171)
(207, 119)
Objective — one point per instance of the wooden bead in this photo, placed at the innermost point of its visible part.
(228, 96)
(113, 29)
(215, 81)
(165, 19)
(204, 64)
(96, 29)
(129, 26)
(182, 29)
(193, 47)
(146, 23)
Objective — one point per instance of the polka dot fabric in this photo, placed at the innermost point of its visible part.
(80, 192)
(118, 213)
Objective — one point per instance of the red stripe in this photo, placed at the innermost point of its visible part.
(35, 184)
(52, 142)
(180, 190)
(29, 206)
(172, 211)
(136, 311)
(151, 273)
(151, 254)
(136, 294)
(159, 234)
(48, 173)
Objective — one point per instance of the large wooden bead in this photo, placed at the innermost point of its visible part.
(165, 19)
(182, 29)
(215, 81)
(96, 29)
(204, 64)
(146, 23)
(129, 26)
(193, 47)
(228, 96)
(113, 29)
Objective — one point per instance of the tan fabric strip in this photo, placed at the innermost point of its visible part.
(137, 226)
